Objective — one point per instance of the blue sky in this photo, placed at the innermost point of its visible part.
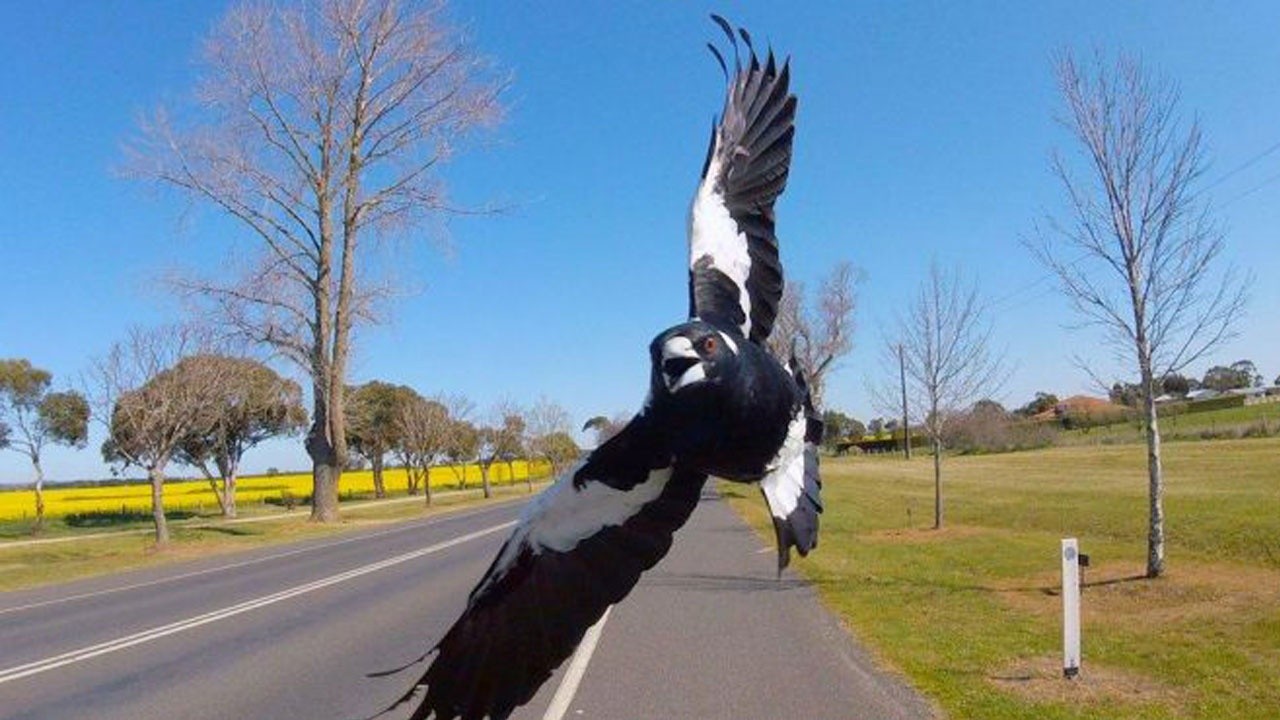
(924, 130)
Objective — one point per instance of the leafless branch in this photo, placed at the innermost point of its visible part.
(820, 334)
(319, 128)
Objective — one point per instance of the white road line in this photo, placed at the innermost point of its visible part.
(577, 667)
(243, 563)
(110, 646)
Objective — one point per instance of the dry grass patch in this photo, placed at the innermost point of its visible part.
(1040, 680)
(1117, 595)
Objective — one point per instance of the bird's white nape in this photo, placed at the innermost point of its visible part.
(733, 345)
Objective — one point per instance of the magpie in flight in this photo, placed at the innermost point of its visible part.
(719, 404)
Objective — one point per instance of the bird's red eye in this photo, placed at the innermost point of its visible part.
(709, 345)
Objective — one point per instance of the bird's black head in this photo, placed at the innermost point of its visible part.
(695, 354)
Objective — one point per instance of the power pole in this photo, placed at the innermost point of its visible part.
(906, 428)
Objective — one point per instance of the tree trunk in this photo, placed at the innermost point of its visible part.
(324, 497)
(906, 423)
(326, 470)
(411, 477)
(218, 492)
(229, 471)
(937, 483)
(379, 490)
(1155, 476)
(484, 479)
(229, 509)
(426, 483)
(156, 475)
(39, 495)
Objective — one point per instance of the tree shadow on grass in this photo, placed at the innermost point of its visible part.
(1056, 590)
(116, 518)
(232, 531)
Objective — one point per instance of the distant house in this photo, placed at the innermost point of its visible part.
(1256, 395)
(1167, 398)
(1202, 394)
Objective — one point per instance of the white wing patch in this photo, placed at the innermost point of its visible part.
(563, 515)
(713, 232)
(783, 483)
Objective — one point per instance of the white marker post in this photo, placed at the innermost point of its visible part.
(1070, 608)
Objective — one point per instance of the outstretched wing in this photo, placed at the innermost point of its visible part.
(792, 487)
(735, 278)
(579, 547)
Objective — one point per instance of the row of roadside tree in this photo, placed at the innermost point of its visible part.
(167, 397)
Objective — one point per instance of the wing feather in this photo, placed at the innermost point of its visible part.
(579, 547)
(735, 276)
(793, 488)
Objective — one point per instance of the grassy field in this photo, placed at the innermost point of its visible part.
(971, 614)
(195, 496)
(1224, 423)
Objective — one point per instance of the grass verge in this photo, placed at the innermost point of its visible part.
(971, 614)
(23, 566)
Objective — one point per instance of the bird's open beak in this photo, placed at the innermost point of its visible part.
(681, 365)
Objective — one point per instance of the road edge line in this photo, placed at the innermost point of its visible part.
(577, 668)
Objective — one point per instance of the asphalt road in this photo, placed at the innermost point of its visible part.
(294, 631)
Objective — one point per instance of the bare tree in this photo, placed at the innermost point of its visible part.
(821, 333)
(149, 402)
(501, 439)
(945, 343)
(547, 427)
(318, 127)
(39, 417)
(422, 438)
(252, 403)
(462, 441)
(1137, 253)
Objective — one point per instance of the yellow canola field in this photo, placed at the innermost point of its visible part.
(196, 495)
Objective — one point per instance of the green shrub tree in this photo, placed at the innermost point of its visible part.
(374, 428)
(38, 417)
(251, 403)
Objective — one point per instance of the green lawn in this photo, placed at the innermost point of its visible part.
(1260, 419)
(971, 614)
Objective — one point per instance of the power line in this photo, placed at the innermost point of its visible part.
(1251, 190)
(1255, 159)
(1241, 167)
